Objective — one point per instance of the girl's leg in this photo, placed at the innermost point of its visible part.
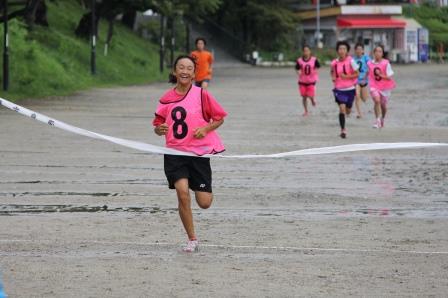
(204, 85)
(348, 111)
(184, 201)
(364, 93)
(377, 109)
(204, 199)
(358, 101)
(305, 105)
(342, 111)
(383, 111)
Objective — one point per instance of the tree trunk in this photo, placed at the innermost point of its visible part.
(110, 32)
(36, 13)
(30, 12)
(41, 14)
(85, 26)
(129, 19)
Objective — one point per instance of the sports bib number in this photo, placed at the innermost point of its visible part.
(307, 69)
(180, 127)
(336, 70)
(377, 72)
(360, 66)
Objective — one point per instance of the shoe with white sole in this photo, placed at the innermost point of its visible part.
(377, 124)
(191, 246)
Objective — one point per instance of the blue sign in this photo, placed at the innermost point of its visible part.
(423, 45)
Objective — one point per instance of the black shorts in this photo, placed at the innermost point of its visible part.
(196, 169)
(363, 85)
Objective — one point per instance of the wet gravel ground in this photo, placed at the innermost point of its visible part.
(85, 218)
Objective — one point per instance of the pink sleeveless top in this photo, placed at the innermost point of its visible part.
(308, 71)
(376, 81)
(183, 116)
(343, 67)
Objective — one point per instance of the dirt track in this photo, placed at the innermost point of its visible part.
(361, 224)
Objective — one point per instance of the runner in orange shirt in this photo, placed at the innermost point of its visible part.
(204, 60)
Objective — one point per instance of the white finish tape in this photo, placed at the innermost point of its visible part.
(163, 150)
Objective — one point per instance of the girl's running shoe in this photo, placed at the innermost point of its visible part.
(192, 246)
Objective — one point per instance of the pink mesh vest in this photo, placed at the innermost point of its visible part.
(308, 72)
(375, 80)
(183, 117)
(343, 67)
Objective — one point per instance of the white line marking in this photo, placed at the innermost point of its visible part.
(246, 247)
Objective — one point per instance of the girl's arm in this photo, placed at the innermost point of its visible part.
(201, 132)
(351, 76)
(161, 129)
(355, 74)
(297, 68)
(389, 73)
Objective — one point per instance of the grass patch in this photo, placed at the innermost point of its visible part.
(53, 61)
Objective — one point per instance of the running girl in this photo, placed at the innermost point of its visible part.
(344, 73)
(188, 116)
(306, 68)
(204, 61)
(381, 84)
(362, 90)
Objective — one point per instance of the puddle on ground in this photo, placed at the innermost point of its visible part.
(11, 209)
(311, 214)
(287, 214)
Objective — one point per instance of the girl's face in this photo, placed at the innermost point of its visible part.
(342, 51)
(200, 45)
(306, 52)
(359, 51)
(184, 71)
(378, 53)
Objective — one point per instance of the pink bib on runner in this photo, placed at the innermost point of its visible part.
(343, 67)
(308, 71)
(183, 117)
(375, 80)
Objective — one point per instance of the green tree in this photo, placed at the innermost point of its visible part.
(263, 24)
(34, 12)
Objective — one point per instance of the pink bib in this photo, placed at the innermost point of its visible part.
(183, 117)
(343, 67)
(308, 72)
(375, 80)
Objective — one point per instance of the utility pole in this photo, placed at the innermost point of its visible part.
(187, 34)
(93, 45)
(173, 41)
(318, 45)
(162, 42)
(5, 47)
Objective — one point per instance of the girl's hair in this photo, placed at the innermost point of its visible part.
(199, 39)
(359, 45)
(172, 78)
(342, 43)
(306, 46)
(385, 54)
(379, 46)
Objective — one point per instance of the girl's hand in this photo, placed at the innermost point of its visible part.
(162, 129)
(200, 133)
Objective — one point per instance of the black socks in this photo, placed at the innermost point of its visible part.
(342, 120)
